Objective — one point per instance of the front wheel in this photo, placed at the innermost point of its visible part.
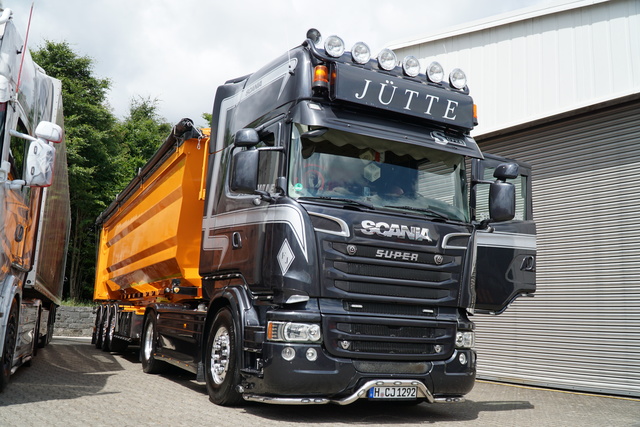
(221, 364)
(9, 347)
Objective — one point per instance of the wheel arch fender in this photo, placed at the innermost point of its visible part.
(10, 291)
(238, 301)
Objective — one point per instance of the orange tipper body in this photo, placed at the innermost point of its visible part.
(150, 236)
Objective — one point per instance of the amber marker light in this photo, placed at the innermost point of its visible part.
(321, 77)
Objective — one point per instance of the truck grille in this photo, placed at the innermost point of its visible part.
(410, 325)
(376, 338)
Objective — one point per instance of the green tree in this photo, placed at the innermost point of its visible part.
(140, 134)
(93, 155)
(104, 154)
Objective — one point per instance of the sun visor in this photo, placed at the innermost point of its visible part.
(314, 114)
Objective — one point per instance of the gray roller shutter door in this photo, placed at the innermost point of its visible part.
(582, 329)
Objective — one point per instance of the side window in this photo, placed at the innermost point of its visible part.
(17, 152)
(269, 160)
(482, 196)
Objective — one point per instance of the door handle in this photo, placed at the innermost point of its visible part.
(528, 263)
(236, 240)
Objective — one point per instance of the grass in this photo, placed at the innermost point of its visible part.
(72, 302)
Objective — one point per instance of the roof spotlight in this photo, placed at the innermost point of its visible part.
(435, 72)
(334, 46)
(411, 66)
(360, 53)
(387, 59)
(458, 78)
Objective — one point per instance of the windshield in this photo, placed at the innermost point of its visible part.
(382, 174)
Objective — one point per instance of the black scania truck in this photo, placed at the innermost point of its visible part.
(351, 228)
(340, 242)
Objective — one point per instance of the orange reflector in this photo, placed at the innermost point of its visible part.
(475, 111)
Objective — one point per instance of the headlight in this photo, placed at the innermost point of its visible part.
(360, 53)
(458, 79)
(411, 66)
(435, 72)
(465, 340)
(334, 46)
(293, 332)
(387, 60)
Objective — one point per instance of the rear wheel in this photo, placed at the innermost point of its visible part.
(9, 345)
(149, 347)
(109, 327)
(99, 326)
(221, 365)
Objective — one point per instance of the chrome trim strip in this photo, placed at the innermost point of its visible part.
(343, 225)
(446, 238)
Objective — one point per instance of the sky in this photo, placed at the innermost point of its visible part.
(178, 52)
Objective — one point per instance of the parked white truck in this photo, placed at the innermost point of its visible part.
(34, 193)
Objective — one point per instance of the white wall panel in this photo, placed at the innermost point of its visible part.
(538, 64)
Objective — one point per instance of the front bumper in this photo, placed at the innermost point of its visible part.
(342, 381)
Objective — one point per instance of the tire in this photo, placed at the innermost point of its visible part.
(109, 327)
(99, 325)
(9, 345)
(149, 346)
(36, 334)
(221, 365)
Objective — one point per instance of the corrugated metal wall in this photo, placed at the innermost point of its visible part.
(582, 329)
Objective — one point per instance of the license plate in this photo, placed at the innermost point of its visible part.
(393, 393)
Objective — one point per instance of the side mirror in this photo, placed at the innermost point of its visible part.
(502, 201)
(49, 131)
(39, 164)
(506, 171)
(244, 171)
(246, 138)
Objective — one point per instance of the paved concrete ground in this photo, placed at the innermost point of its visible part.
(70, 383)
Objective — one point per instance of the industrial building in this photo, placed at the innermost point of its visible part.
(559, 87)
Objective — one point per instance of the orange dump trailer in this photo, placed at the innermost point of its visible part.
(150, 236)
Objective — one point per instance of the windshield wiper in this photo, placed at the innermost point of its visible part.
(423, 210)
(339, 199)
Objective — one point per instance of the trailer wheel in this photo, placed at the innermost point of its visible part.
(221, 365)
(108, 326)
(100, 325)
(149, 346)
(9, 345)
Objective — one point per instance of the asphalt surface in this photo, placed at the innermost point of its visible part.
(70, 383)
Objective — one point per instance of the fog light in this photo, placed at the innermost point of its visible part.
(312, 354)
(437, 348)
(288, 354)
(462, 359)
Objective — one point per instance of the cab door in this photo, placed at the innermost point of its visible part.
(505, 251)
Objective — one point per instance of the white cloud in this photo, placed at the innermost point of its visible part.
(179, 51)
